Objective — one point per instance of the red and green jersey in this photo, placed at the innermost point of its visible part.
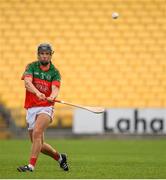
(43, 81)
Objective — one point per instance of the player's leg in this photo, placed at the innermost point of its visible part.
(41, 123)
(50, 151)
(61, 158)
(47, 149)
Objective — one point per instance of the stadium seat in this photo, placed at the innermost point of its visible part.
(102, 61)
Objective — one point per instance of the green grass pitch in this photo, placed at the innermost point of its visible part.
(89, 159)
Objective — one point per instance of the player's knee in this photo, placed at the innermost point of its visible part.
(37, 134)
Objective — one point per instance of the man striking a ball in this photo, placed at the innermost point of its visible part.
(42, 82)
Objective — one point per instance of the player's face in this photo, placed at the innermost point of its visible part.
(44, 57)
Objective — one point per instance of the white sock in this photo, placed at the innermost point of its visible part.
(60, 158)
(31, 166)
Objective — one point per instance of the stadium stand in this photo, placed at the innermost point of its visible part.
(112, 63)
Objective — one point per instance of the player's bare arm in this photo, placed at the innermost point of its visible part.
(54, 93)
(31, 88)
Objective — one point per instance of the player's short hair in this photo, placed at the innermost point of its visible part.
(44, 47)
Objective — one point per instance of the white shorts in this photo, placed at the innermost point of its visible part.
(34, 111)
